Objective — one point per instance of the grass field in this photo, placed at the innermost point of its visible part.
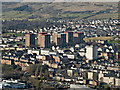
(99, 38)
(16, 34)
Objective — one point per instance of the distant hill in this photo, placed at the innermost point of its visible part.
(61, 10)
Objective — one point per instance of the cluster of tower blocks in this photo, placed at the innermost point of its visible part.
(62, 39)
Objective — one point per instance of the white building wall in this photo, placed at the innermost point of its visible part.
(29, 51)
(45, 52)
(37, 52)
(91, 52)
(117, 82)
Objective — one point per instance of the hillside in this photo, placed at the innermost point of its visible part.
(63, 10)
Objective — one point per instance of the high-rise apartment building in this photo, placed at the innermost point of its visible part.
(59, 39)
(91, 52)
(44, 40)
(78, 37)
(75, 35)
(55, 34)
(40, 37)
(30, 40)
(69, 37)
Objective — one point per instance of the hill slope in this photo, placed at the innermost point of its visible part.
(61, 10)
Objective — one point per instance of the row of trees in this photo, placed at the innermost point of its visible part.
(25, 24)
(38, 70)
(15, 72)
(11, 71)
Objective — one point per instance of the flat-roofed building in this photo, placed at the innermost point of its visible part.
(59, 39)
(69, 37)
(40, 37)
(30, 40)
(78, 37)
(91, 52)
(44, 40)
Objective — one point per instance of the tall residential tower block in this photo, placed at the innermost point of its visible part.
(59, 39)
(44, 40)
(69, 37)
(29, 39)
(91, 52)
(78, 37)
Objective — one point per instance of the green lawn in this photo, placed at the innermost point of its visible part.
(16, 34)
(21, 42)
(99, 38)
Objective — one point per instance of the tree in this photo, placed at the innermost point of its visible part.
(11, 72)
(37, 72)
(46, 74)
(31, 69)
(40, 71)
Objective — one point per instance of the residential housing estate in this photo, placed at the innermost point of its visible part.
(73, 54)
